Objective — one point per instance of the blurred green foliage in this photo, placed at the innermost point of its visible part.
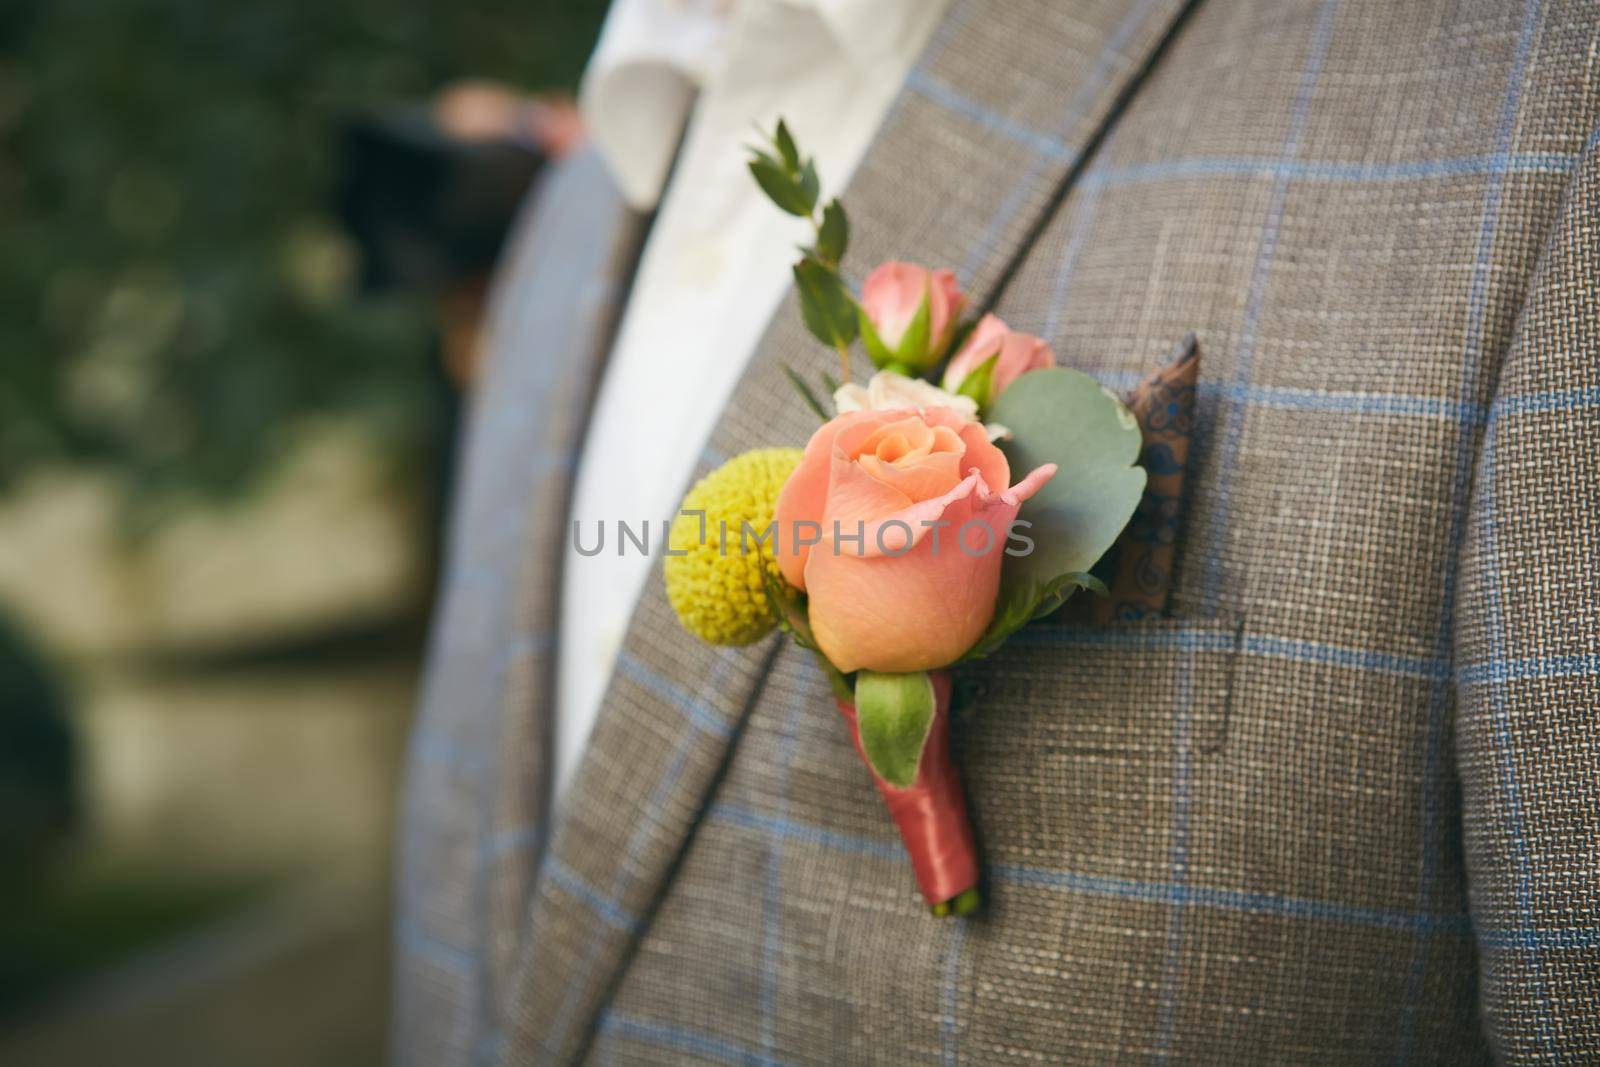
(38, 764)
(55, 932)
(174, 293)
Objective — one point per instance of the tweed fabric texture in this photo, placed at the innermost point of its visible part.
(674, 707)
(1527, 659)
(1235, 833)
(476, 776)
(1238, 832)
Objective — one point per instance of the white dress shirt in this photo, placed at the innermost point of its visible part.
(716, 264)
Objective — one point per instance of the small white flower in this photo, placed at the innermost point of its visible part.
(888, 391)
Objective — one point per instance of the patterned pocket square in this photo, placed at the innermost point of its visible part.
(1138, 569)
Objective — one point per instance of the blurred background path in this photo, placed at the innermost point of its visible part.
(243, 254)
(241, 709)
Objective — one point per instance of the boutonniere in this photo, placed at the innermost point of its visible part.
(963, 492)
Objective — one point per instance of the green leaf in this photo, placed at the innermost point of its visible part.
(805, 392)
(913, 350)
(834, 233)
(790, 605)
(830, 383)
(978, 384)
(1022, 602)
(810, 185)
(763, 155)
(1066, 418)
(895, 714)
(825, 304)
(784, 142)
(780, 188)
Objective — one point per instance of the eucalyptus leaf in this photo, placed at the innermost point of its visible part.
(1065, 417)
(895, 715)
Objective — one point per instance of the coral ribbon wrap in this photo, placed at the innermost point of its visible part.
(932, 812)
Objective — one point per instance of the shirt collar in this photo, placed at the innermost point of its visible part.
(654, 55)
(864, 29)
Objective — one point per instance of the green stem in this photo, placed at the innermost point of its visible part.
(842, 687)
(964, 903)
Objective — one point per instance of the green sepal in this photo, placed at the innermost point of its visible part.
(782, 189)
(833, 235)
(877, 351)
(964, 903)
(979, 384)
(805, 392)
(829, 312)
(895, 715)
(789, 604)
(1022, 602)
(913, 351)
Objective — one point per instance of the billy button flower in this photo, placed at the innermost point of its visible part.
(721, 596)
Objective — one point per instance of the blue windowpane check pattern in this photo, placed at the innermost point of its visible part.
(782, 837)
(1473, 373)
(605, 904)
(1241, 393)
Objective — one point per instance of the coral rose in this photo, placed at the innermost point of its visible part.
(895, 525)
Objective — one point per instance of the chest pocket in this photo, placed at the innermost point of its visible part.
(1082, 740)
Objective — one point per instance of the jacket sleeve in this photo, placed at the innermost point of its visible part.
(1527, 660)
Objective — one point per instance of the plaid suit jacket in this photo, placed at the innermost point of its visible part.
(1342, 805)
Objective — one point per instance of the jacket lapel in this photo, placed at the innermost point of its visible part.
(477, 771)
(994, 121)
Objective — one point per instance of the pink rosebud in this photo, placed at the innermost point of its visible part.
(890, 300)
(1018, 354)
(894, 524)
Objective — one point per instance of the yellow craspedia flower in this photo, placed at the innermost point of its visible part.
(719, 595)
